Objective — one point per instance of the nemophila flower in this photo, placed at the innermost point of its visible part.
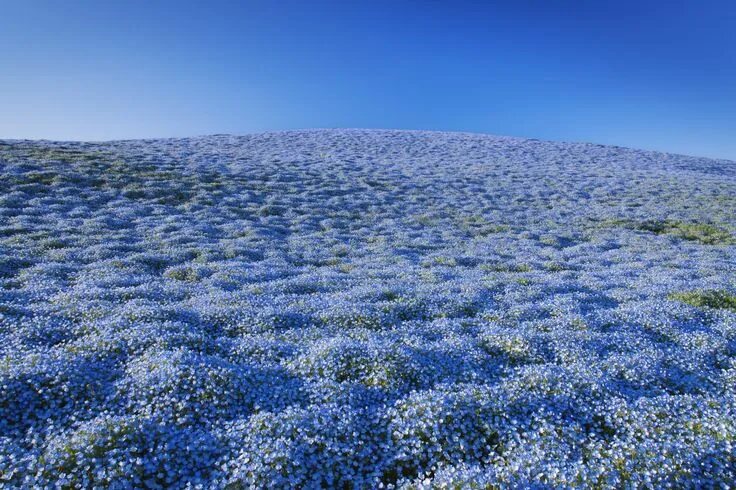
(440, 426)
(365, 309)
(314, 447)
(42, 387)
(385, 365)
(183, 386)
(125, 452)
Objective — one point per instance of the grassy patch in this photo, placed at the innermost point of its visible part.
(478, 226)
(501, 267)
(705, 233)
(716, 299)
(186, 274)
(699, 232)
(555, 266)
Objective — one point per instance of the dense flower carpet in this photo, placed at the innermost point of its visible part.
(365, 309)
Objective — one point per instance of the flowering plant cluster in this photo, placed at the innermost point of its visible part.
(365, 309)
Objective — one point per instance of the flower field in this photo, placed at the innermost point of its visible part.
(364, 309)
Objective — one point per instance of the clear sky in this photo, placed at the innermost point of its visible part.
(646, 74)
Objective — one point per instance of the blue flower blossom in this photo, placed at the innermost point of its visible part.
(365, 309)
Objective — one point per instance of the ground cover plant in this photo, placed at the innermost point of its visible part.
(356, 309)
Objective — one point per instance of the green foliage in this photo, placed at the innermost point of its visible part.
(36, 177)
(705, 233)
(700, 232)
(500, 267)
(716, 299)
(478, 226)
(187, 274)
(555, 266)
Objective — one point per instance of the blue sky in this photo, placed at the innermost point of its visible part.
(646, 74)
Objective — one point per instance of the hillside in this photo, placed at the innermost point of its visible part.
(344, 308)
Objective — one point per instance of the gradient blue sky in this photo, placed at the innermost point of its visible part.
(646, 74)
